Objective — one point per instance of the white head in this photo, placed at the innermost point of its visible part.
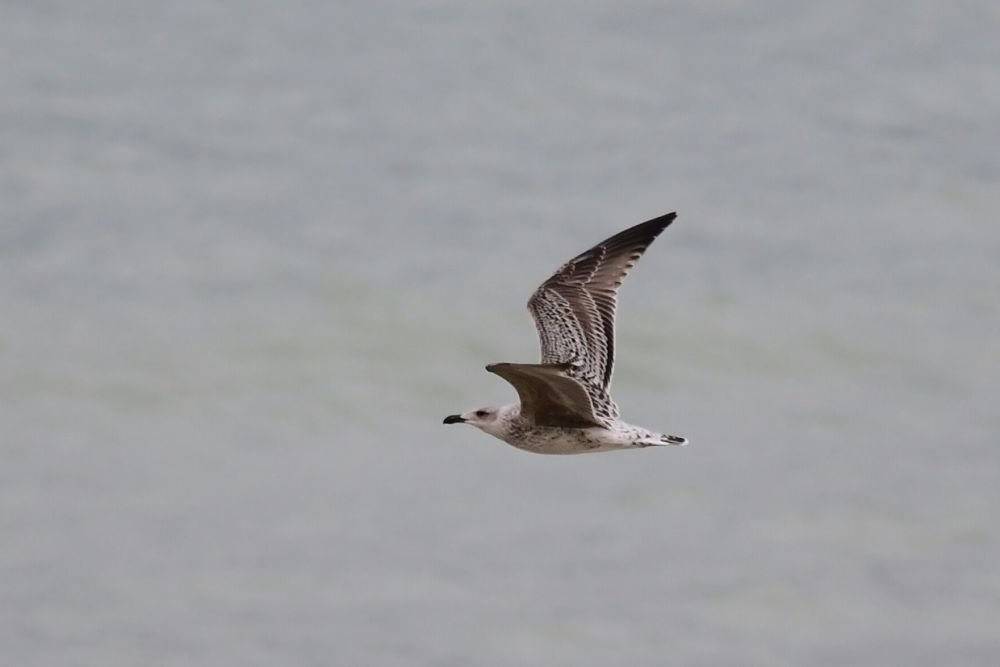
(490, 420)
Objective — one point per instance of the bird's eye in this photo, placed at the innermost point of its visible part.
(481, 413)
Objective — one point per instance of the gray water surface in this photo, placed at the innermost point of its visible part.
(250, 255)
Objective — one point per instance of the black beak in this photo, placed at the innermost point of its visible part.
(453, 419)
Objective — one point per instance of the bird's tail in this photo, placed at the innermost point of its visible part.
(663, 439)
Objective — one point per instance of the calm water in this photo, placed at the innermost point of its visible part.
(250, 257)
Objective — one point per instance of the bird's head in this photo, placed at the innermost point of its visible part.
(488, 419)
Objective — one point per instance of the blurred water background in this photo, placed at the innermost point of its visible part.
(252, 253)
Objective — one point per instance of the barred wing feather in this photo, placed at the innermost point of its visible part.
(574, 310)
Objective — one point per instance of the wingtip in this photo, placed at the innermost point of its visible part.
(666, 219)
(640, 236)
(647, 231)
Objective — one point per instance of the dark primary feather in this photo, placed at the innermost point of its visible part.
(574, 310)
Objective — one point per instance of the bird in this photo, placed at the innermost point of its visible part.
(564, 406)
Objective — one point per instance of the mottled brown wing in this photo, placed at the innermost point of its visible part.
(574, 310)
(549, 397)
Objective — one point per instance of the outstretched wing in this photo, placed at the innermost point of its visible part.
(549, 396)
(574, 310)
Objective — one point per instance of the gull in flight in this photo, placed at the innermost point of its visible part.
(564, 404)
